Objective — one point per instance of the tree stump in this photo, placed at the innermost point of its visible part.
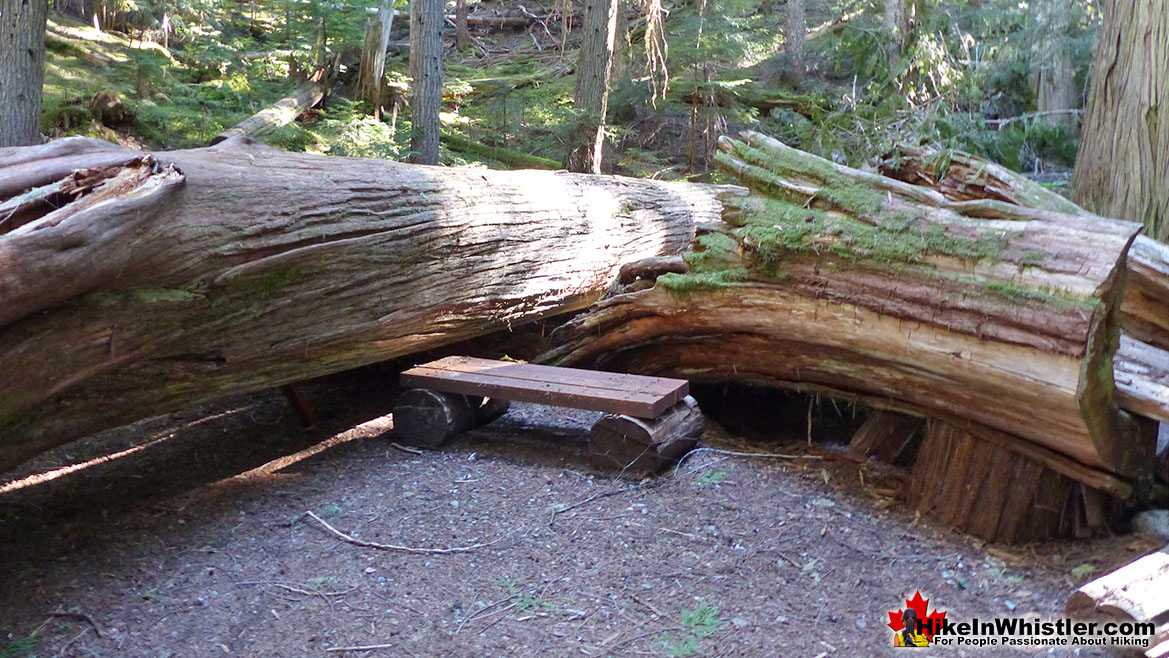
(637, 445)
(982, 484)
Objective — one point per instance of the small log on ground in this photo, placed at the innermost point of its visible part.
(280, 114)
(888, 436)
(639, 445)
(978, 482)
(135, 284)
(428, 419)
(1136, 592)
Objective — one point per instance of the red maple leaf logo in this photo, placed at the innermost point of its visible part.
(931, 622)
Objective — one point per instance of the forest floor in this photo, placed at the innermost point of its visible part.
(194, 540)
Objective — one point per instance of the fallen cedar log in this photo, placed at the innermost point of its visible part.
(961, 177)
(840, 282)
(134, 284)
(1141, 367)
(282, 113)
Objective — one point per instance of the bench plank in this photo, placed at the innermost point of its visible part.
(634, 395)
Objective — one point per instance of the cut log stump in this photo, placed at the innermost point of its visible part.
(637, 445)
(977, 481)
(889, 437)
(1135, 592)
(428, 418)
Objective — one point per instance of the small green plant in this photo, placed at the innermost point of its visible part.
(711, 476)
(700, 623)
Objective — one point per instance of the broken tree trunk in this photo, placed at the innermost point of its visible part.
(833, 280)
(134, 284)
(1142, 363)
(990, 318)
(887, 436)
(961, 177)
(372, 71)
(282, 113)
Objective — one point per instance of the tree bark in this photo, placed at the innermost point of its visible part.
(897, 23)
(373, 57)
(835, 281)
(282, 113)
(794, 37)
(1141, 365)
(136, 284)
(591, 98)
(1121, 168)
(22, 70)
(426, 18)
(462, 35)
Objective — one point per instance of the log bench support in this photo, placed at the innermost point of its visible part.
(649, 422)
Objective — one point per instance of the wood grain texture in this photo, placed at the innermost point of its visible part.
(208, 272)
(638, 396)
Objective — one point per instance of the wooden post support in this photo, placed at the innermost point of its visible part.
(977, 481)
(645, 446)
(300, 404)
(887, 436)
(427, 418)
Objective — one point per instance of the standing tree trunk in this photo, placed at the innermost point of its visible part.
(22, 70)
(462, 36)
(373, 57)
(426, 17)
(1122, 168)
(793, 38)
(1057, 83)
(591, 100)
(135, 284)
(897, 22)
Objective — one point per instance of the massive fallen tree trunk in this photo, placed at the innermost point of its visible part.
(836, 281)
(133, 284)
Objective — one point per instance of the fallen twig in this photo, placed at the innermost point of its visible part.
(403, 448)
(350, 539)
(480, 611)
(368, 647)
(79, 616)
(734, 453)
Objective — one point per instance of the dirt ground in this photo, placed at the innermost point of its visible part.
(196, 540)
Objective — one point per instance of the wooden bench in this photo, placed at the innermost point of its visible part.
(649, 422)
